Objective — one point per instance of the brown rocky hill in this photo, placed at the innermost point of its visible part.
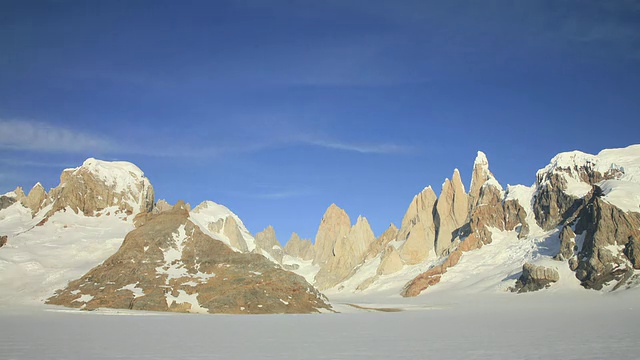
(169, 264)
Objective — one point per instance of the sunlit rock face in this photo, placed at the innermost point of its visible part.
(418, 231)
(266, 241)
(451, 212)
(339, 247)
(98, 185)
(302, 249)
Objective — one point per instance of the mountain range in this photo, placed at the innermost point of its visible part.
(101, 240)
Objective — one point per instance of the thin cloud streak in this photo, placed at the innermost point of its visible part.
(363, 148)
(40, 164)
(25, 135)
(275, 195)
(36, 136)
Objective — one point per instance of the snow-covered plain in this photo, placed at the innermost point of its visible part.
(498, 326)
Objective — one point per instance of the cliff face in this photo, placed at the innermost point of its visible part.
(339, 248)
(267, 242)
(98, 185)
(302, 249)
(418, 229)
(451, 212)
(609, 253)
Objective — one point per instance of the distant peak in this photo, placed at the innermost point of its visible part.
(333, 208)
(361, 219)
(481, 159)
(456, 175)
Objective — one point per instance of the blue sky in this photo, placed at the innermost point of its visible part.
(279, 108)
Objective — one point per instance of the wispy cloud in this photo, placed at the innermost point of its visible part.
(26, 135)
(281, 194)
(271, 195)
(31, 163)
(328, 142)
(363, 148)
(37, 136)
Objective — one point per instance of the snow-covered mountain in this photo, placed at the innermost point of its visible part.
(576, 227)
(580, 220)
(55, 237)
(98, 240)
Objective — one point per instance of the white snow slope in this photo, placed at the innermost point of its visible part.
(37, 260)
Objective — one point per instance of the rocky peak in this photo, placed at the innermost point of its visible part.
(162, 206)
(219, 222)
(418, 231)
(420, 206)
(302, 249)
(480, 175)
(567, 179)
(266, 241)
(98, 185)
(340, 247)
(360, 237)
(335, 224)
(451, 210)
(36, 198)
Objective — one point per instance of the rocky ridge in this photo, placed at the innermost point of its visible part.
(440, 229)
(92, 189)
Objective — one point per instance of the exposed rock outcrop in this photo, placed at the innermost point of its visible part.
(381, 242)
(36, 198)
(610, 238)
(6, 201)
(221, 223)
(431, 276)
(266, 241)
(302, 249)
(391, 262)
(567, 244)
(169, 264)
(335, 224)
(451, 212)
(162, 206)
(535, 278)
(488, 208)
(231, 230)
(347, 253)
(97, 185)
(563, 184)
(418, 230)
(480, 175)
(3, 240)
